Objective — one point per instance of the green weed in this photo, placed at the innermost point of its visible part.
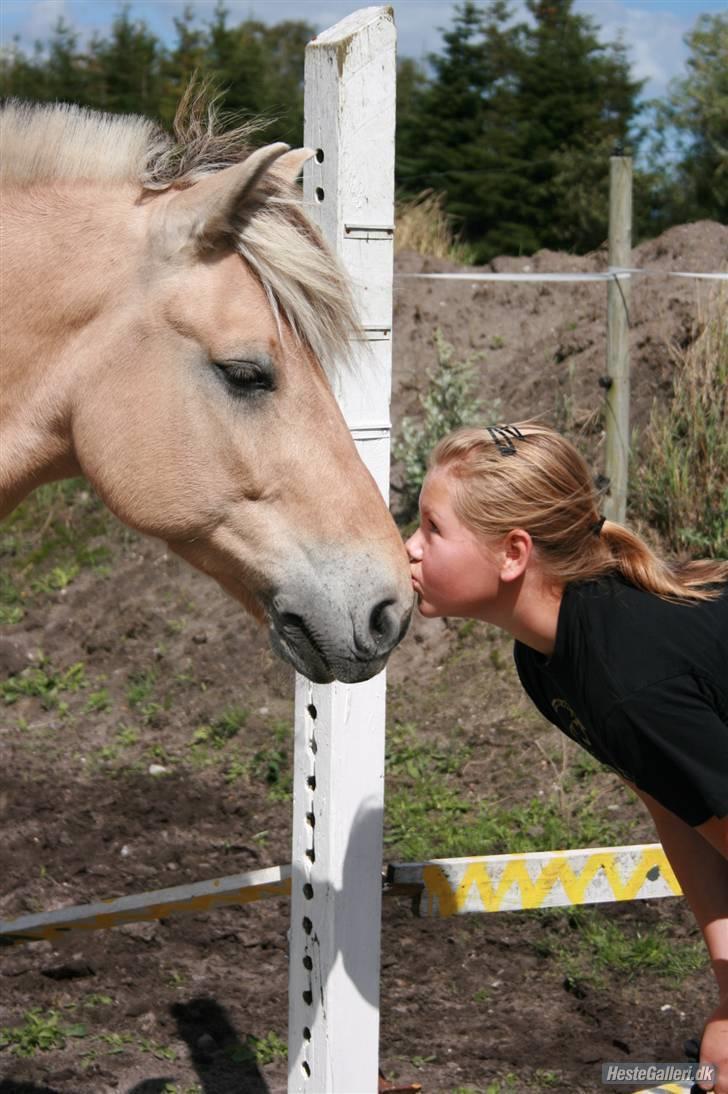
(259, 1050)
(226, 726)
(140, 687)
(40, 1032)
(97, 701)
(44, 683)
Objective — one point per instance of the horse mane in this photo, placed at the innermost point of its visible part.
(304, 283)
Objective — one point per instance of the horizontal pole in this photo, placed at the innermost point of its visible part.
(200, 896)
(614, 273)
(440, 887)
(537, 879)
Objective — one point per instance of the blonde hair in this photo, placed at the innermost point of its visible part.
(528, 476)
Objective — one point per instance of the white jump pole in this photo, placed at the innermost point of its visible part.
(338, 796)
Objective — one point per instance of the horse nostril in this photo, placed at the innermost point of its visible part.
(383, 625)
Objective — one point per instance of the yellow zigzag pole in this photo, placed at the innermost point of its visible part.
(498, 883)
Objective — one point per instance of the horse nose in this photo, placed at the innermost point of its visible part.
(387, 626)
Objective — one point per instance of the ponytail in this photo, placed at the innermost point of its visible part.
(536, 480)
(633, 559)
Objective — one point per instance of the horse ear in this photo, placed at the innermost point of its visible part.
(288, 167)
(205, 214)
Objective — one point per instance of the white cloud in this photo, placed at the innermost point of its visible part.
(32, 20)
(654, 38)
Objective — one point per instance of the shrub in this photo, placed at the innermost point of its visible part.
(424, 226)
(449, 401)
(681, 484)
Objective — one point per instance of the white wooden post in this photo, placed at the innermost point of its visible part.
(618, 294)
(338, 797)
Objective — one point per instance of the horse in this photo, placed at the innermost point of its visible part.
(170, 319)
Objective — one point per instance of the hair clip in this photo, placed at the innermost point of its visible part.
(503, 437)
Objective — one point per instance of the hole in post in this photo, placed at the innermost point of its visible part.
(306, 1033)
(319, 193)
(313, 746)
(308, 891)
(319, 155)
(311, 819)
(312, 712)
(311, 854)
(306, 1069)
(311, 780)
(307, 924)
(308, 963)
(308, 998)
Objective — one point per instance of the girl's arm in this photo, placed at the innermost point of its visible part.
(703, 875)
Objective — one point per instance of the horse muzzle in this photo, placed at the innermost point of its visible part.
(348, 638)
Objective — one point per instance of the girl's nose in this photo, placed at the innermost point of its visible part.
(414, 547)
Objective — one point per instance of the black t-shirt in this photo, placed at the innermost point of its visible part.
(642, 684)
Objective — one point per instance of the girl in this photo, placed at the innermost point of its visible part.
(626, 654)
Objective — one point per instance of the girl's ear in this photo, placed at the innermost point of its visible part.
(516, 554)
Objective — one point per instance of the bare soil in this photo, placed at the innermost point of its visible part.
(481, 1003)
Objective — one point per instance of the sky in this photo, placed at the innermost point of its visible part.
(652, 29)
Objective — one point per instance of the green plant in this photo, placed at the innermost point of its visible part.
(226, 726)
(44, 683)
(680, 483)
(98, 701)
(40, 1032)
(259, 1050)
(449, 401)
(140, 687)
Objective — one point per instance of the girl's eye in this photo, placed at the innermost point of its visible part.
(247, 378)
(433, 527)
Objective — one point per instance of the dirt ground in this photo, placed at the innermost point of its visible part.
(144, 663)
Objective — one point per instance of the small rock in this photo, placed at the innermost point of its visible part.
(146, 932)
(199, 639)
(125, 851)
(71, 970)
(205, 1046)
(14, 656)
(157, 769)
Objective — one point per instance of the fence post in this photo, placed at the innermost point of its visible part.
(338, 797)
(618, 295)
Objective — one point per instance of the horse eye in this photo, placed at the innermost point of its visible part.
(248, 378)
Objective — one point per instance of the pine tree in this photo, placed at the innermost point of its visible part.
(124, 69)
(516, 125)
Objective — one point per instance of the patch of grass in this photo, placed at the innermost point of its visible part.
(259, 1050)
(597, 948)
(416, 759)
(680, 483)
(428, 814)
(226, 726)
(98, 701)
(47, 542)
(44, 682)
(41, 1031)
(140, 686)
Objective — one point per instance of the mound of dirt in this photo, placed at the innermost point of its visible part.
(541, 348)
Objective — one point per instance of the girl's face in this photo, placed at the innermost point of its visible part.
(454, 571)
